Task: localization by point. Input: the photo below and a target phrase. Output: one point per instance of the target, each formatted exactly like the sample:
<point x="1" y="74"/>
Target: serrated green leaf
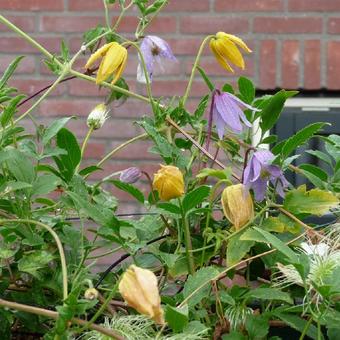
<point x="130" y="189"/>
<point x="300" y="138"/>
<point x="54" y="128"/>
<point x="315" y="202"/>
<point x="195" y="197"/>
<point x="195" y="281"/>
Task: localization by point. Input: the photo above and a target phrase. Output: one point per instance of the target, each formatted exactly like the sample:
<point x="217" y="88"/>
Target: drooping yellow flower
<point x="139" y="288"/>
<point x="169" y="182"/>
<point x="114" y="58"/>
<point x="237" y="205"/>
<point x="226" y="49"/>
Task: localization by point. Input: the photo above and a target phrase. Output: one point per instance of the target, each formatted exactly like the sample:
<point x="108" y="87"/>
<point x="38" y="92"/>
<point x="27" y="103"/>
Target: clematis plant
<point x="202" y="247"/>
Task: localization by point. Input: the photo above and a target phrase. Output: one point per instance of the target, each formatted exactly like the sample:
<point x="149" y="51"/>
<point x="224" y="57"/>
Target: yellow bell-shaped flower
<point x="169" y="182"/>
<point x="114" y="58"/>
<point x="237" y="205"/>
<point x="225" y="47"/>
<point x="139" y="288"/>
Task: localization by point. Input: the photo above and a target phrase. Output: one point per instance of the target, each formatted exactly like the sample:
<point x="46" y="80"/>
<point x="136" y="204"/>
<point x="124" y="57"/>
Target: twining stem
<point x="197" y="60"/>
<point x="54" y="315"/>
<point x="187" y="240"/>
<point x="305" y="330"/>
<point x="58" y="242"/>
<point x="83" y="147"/>
<point x="107" y="18"/>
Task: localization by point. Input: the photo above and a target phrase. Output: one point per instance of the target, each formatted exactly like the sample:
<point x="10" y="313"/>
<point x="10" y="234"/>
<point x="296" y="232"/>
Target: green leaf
<point x="234" y="335"/>
<point x="45" y="184"/>
<point x="321" y="155"/>
<point x="257" y="326"/>
<point x="272" y="110"/>
<point x="11" y="186"/>
<point x="10" y="110"/>
<point x="247" y="89"/>
<point x="269" y="139"/>
<point x="195" y="197"/>
<point x="177" y="318"/>
<point x="102" y="216"/>
<point x="34" y="262"/>
<point x="199" y="112"/>
<point x="172" y="208"/>
<point x="315" y="174"/>
<point x="67" y="164"/>
<point x="206" y="78"/>
<point x="9" y="71"/>
<point x="279" y="245"/>
<point x="195" y="281"/>
<point x="89" y="170"/>
<point x="20" y="166"/>
<point x="316" y="201"/>
<point x="300" y="138"/>
<point x="299" y="324"/>
<point x="54" y="128"/>
<point x="130" y="189"/>
<point x="220" y="174"/>
<point x="237" y="249"/>
<point x="269" y="294"/>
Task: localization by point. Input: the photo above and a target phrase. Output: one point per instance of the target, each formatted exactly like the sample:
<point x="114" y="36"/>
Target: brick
<point x="26" y="23"/>
<point x="290" y="64"/>
<point x="136" y="151"/>
<point x="32" y="5"/>
<point x="314" y="5"/>
<point x="211" y="24"/>
<point x="95" y="150"/>
<point x="268" y="64"/>
<point x="162" y="24"/>
<point x="187" y="5"/>
<point x="333" y="65"/>
<point x="18" y="45"/>
<point x="26" y="66"/>
<point x="287" y="25"/>
<point x="249" y="5"/>
<point x="69" y="23"/>
<point x="65" y="107"/>
<point x="312" y="65"/>
<point x="85" y="5"/>
<point x="31" y="86"/>
<point x="334" y="26"/>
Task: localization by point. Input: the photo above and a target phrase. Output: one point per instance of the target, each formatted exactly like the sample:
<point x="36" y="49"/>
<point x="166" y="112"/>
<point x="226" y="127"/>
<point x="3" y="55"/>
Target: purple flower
<point x="130" y="175"/>
<point x="259" y="171"/>
<point x="228" y="112"/>
<point x="156" y="53"/>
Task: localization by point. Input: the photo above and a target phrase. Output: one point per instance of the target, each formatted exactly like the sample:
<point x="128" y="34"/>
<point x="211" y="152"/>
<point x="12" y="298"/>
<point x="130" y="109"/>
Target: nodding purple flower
<point x="156" y="53"/>
<point x="130" y="175"/>
<point x="228" y="112"/>
<point x="259" y="171"/>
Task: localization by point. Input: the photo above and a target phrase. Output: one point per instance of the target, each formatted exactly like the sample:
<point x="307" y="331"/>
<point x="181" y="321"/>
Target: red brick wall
<point x="295" y="42"/>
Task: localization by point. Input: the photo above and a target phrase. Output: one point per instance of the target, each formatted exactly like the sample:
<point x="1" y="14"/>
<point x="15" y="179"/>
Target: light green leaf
<point x="247" y="89"/>
<point x="237" y="249"/>
<point x="10" y="70"/>
<point x="54" y="128"/>
<point x="176" y="317"/>
<point x="34" y="262"/>
<point x="195" y="281"/>
<point x="130" y="189"/>
<point x="44" y="184"/>
<point x="20" y="166"/>
<point x="269" y="294"/>
<point x="316" y="201"/>
<point x="195" y="197"/>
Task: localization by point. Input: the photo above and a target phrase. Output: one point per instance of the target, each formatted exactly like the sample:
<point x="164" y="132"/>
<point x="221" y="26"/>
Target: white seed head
<point x="97" y="117"/>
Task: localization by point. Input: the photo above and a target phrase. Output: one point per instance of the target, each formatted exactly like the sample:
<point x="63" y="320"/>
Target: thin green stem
<point x="27" y="38"/>
<point x="58" y="242"/>
<point x="121" y="15"/>
<point x="111" y="86"/>
<point x="305" y="330"/>
<point x="107" y="18"/>
<point x="83" y="147"/>
<point x="187" y="240"/>
<point x="197" y="60"/>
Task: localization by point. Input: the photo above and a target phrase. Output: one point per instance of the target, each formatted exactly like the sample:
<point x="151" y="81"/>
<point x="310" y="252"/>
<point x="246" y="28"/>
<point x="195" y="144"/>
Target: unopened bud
<point x="237" y="205"/>
<point x="130" y="175"/>
<point x="97" y="117"/>
<point x="91" y="294"/>
<point x="169" y="182"/>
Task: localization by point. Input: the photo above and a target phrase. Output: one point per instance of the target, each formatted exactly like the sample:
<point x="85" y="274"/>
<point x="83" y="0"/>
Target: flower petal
<point x="230" y="51"/>
<point x="219" y="57"/>
<point x="219" y="122"/>
<point x="98" y="54"/>
<point x="238" y="41"/>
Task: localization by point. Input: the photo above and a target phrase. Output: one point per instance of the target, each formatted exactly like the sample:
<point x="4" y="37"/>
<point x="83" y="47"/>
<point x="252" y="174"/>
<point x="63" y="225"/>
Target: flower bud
<point x="169" y="182"/>
<point x="91" y="294"/>
<point x="97" y="117"/>
<point x="130" y="175"/>
<point x="139" y="289"/>
<point x="237" y="205"/>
